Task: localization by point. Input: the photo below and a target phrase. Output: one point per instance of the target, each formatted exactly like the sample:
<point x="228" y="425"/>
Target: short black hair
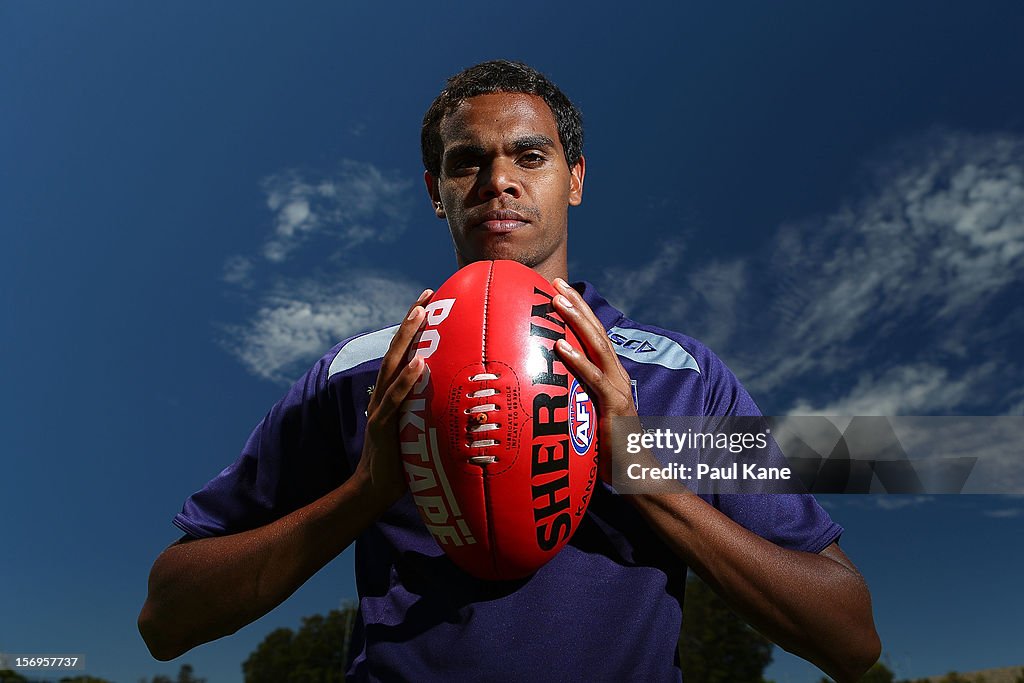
<point x="500" y="75"/>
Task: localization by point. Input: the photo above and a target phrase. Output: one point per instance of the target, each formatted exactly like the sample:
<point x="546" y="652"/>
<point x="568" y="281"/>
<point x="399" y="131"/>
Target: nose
<point x="499" y="178"/>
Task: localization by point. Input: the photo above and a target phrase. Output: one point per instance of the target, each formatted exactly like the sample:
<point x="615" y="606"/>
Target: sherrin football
<point x="498" y="439"/>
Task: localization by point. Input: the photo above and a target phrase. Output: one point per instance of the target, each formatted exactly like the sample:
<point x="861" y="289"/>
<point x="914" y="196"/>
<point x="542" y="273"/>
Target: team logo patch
<point x="581" y="419"/>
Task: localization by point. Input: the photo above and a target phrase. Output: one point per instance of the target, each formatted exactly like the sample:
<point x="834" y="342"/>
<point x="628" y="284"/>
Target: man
<point x="502" y="148"/>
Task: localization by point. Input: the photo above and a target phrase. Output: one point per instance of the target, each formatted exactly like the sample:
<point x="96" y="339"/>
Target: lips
<point x="500" y="221"/>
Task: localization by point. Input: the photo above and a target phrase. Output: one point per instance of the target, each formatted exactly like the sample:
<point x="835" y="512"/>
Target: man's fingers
<point x="583" y="319"/>
<point x="588" y="328"/>
<point x="391" y="400"/>
<point x="566" y="290"/>
<point x="609" y="395"/>
<point x="398" y="350"/>
<point x="580" y="366"/>
<point x="574" y="305"/>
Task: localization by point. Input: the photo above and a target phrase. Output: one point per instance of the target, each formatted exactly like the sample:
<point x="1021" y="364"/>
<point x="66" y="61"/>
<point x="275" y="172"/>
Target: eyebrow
<point x="464" y="149"/>
<point x="532" y="142"/>
<point x="469" y="149"/>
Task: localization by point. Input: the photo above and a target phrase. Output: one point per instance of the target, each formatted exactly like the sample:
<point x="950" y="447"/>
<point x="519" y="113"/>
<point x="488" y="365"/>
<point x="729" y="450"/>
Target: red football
<point x="498" y="439"/>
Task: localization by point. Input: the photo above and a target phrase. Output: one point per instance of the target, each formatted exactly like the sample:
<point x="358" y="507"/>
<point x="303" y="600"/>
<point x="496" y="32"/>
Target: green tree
<point x="879" y="673"/>
<point x="951" y="677"/>
<point x="956" y="677"/>
<point x="8" y="676"/>
<point x="185" y="675"/>
<point x="717" y="646"/>
<point x="316" y="653"/>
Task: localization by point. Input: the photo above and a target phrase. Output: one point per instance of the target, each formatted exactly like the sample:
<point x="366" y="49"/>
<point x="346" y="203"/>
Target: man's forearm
<point x="207" y="588"/>
<point x="203" y="589"/>
<point x="814" y="605"/>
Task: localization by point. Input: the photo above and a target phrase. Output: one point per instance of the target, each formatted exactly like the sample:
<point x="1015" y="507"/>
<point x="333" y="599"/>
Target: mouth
<point x="500" y="221"/>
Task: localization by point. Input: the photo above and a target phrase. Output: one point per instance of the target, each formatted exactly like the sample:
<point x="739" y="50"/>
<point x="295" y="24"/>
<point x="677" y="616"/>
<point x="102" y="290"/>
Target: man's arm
<point x="814" y="605"/>
<point x="203" y="589"/>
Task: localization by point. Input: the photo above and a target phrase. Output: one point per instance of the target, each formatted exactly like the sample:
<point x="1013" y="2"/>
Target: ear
<point x="435" y="194"/>
<point x="576" y="182"/>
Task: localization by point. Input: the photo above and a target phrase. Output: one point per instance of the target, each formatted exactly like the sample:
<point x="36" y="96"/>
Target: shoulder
<point x="654" y="353"/>
<point x="351" y="354"/>
<point x="722" y="391"/>
<point x="650" y="344"/>
<point x="347" y="363"/>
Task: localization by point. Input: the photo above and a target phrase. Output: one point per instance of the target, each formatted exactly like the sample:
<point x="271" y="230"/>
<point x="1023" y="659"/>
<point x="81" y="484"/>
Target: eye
<point x="532" y="159"/>
<point x="462" y="166"/>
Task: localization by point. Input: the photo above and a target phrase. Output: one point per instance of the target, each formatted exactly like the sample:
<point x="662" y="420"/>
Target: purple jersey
<point x="607" y="607"/>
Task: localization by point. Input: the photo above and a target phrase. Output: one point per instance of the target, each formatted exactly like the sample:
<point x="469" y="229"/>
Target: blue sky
<point x="196" y="201"/>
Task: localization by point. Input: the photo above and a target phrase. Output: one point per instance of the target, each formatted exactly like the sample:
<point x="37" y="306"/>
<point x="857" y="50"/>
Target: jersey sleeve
<point x="293" y="456"/>
<point x="793" y="521"/>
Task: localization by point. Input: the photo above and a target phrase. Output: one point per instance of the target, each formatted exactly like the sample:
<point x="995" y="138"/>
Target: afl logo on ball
<point x="581" y="419"/>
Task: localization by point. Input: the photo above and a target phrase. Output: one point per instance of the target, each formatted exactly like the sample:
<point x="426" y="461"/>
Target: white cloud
<point x="1005" y="513"/>
<point x="836" y="502"/>
<point x="297" y="318"/>
<point x="904" y="390"/>
<point x="300" y="320"/>
<point x="238" y="271"/>
<point x="909" y="288"/>
<point x="1016" y="409"/>
<point x="712" y="292"/>
<point x="900" y="502"/>
<point x="359" y="203"/>
<point x="634" y="287"/>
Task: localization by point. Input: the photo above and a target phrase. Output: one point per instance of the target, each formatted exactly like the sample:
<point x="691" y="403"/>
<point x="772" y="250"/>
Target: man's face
<point x="505" y="187"/>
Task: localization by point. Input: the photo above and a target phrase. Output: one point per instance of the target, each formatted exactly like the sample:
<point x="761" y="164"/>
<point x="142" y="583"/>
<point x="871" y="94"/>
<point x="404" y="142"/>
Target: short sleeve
<point x="294" y="456"/>
<point x="793" y="521"/>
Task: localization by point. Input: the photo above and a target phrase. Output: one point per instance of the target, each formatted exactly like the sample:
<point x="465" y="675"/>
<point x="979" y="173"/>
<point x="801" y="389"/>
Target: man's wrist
<point x="371" y="495"/>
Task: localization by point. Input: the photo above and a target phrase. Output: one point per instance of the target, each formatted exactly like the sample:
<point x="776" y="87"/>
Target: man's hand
<point x="815" y="605"/>
<point x="606" y="380"/>
<point x="202" y="589"/>
<point x="381" y="465"/>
